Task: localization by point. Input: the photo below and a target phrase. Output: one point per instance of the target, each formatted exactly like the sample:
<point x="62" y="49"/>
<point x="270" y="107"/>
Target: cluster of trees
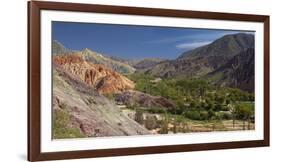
<point x="198" y="99"/>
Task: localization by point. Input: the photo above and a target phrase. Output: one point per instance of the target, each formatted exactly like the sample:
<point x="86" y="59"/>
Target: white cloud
<point x="192" y="45"/>
<point x="194" y="37"/>
<point x="169" y="40"/>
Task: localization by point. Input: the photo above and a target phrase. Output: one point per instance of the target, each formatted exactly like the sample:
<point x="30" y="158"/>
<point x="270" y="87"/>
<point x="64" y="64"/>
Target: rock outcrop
<point x="98" y="76"/>
<point x="133" y="98"/>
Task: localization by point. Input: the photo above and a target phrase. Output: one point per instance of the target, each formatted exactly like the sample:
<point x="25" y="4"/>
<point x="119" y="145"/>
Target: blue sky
<point x="133" y="42"/>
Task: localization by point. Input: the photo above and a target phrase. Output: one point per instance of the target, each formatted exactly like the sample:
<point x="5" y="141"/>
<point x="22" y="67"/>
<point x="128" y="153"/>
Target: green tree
<point x="245" y="111"/>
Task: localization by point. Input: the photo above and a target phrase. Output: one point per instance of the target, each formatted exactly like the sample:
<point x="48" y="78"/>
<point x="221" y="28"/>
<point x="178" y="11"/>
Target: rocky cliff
<point x="102" y="78"/>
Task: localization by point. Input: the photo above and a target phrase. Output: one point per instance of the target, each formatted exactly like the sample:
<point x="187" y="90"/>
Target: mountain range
<point x="206" y="61"/>
<point x="94" y="57"/>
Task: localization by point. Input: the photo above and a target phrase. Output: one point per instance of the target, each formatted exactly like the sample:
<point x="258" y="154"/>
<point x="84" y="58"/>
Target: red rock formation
<point x="99" y="76"/>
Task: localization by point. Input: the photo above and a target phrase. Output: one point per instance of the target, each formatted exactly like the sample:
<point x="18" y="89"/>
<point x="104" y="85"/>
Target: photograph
<point x="110" y="80"/>
<point x="126" y="80"/>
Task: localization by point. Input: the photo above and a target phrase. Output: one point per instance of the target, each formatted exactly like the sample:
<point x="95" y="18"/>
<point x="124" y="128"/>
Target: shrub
<point x="244" y="110"/>
<point x="223" y="108"/>
<point x="218" y="107"/>
<point x="192" y="114"/>
<point x="60" y="128"/>
<point x="225" y="115"/>
<point x="204" y="115"/>
<point x="211" y="114"/>
<point x="209" y="105"/>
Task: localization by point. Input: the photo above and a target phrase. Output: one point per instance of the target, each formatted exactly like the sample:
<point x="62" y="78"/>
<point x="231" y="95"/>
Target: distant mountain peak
<point x="87" y="50"/>
<point x="227" y="45"/>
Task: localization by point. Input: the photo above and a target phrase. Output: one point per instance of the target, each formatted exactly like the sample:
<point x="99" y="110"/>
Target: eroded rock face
<point x="132" y="98"/>
<point x="87" y="111"/>
<point x="99" y="76"/>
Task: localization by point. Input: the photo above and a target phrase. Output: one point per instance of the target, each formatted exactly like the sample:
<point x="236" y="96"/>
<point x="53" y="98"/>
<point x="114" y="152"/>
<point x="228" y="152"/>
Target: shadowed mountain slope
<point x="208" y="59"/>
<point x="238" y="72"/>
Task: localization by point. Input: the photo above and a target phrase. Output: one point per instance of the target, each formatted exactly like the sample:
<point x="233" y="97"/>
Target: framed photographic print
<point x="115" y="80"/>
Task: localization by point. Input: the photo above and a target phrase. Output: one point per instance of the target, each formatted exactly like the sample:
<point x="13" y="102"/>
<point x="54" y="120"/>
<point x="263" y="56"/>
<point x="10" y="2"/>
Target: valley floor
<point x="178" y="124"/>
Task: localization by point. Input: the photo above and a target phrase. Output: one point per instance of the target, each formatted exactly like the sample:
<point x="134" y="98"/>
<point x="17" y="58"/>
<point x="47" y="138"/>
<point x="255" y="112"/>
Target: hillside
<point x="97" y="58"/>
<point x="238" y="72"/>
<point x="103" y="79"/>
<point x="228" y="45"/>
<point x="207" y="59"/>
<point x="94" y="57"/>
<point x="147" y="63"/>
<point x="132" y="98"/>
<point x="79" y="111"/>
<point x="190" y="68"/>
